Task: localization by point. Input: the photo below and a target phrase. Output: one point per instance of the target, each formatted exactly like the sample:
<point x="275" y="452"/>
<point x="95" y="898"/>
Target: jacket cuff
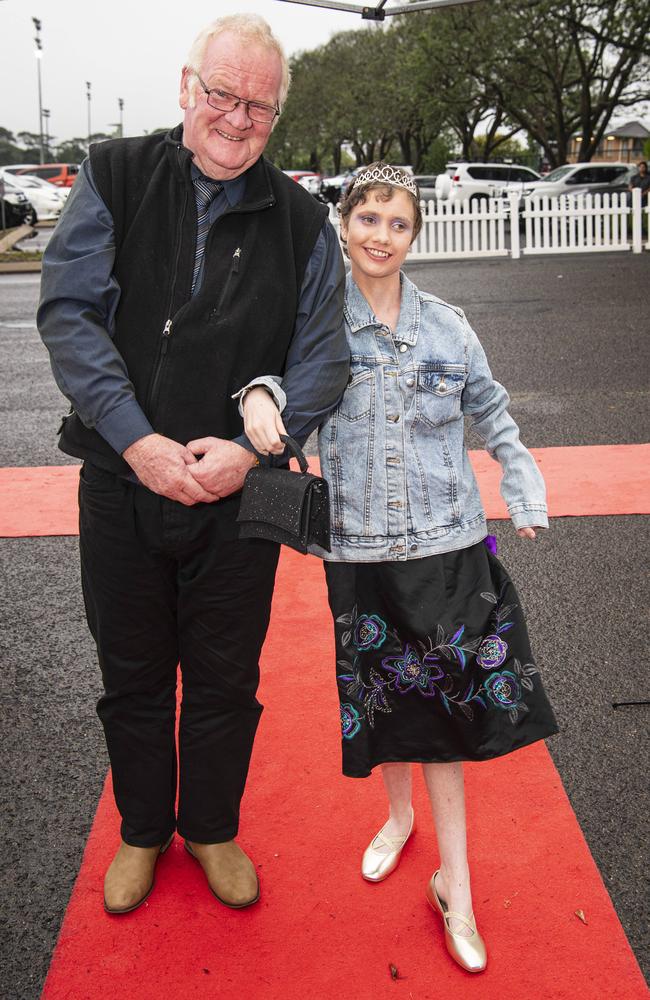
<point x="529" y="515"/>
<point x="272" y="383"/>
<point x="243" y="442"/>
<point x="124" y="425"/>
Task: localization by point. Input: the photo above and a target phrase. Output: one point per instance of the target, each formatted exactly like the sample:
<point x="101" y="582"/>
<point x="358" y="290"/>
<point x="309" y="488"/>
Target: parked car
<point x="311" y="183"/>
<point x="14" y="206"/>
<point x="297" y="175"/>
<point x="476" y="182"/>
<point x="443" y="182"/>
<point x="331" y="187"/>
<point x="63" y="192"/>
<point x="578" y="177"/>
<point x="46" y="199"/>
<point x="617" y="185"/>
<point x="426" y="186"/>
<point x="308" y="179"/>
<point x="61" y="174"/>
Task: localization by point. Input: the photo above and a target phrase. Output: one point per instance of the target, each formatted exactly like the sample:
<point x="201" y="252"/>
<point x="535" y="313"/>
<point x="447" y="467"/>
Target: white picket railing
<point x="577" y="224"/>
<point x="462" y="229"/>
<point x="568" y="224"/>
<point x="458" y="229"/>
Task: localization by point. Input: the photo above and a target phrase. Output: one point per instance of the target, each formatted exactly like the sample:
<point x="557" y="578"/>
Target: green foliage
<point x="72" y="151"/>
<point x="439" y="153"/>
<point x="10" y="153"/>
<point x="502" y="148"/>
<point x="467" y="80"/>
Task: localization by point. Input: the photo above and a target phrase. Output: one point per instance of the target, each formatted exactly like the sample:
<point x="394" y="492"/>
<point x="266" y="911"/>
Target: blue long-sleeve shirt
<point x="80" y="296"/>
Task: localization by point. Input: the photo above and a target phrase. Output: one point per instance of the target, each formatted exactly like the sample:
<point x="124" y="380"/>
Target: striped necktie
<point x="205" y="191"/>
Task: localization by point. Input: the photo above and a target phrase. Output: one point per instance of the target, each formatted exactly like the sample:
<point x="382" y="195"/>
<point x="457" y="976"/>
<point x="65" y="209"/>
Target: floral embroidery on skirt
<point x="432" y="663"/>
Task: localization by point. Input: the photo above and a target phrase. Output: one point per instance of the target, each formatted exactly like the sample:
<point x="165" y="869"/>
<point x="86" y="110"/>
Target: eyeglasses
<point x="221" y="100"/>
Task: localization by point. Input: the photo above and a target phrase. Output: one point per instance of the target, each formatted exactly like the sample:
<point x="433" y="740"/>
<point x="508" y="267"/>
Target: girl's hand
<point x="527" y="532"/>
<point x="262" y="422"/>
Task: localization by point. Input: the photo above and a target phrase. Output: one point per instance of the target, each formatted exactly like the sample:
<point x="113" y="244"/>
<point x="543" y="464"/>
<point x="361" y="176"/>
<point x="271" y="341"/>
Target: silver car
<point x="578" y="176"/>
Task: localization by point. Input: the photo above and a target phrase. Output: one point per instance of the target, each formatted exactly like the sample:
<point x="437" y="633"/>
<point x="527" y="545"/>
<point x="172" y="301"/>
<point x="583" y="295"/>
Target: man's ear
<point x="184" y="94"/>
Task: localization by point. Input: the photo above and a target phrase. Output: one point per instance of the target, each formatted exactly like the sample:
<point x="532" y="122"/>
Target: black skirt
<point x="433" y="661"/>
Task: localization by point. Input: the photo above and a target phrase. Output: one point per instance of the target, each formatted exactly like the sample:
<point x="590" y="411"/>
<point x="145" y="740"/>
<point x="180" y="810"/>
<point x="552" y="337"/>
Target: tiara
<point x="386" y="175"/>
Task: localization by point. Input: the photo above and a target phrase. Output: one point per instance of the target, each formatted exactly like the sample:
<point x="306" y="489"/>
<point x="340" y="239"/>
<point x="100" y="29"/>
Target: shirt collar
<point x="359" y="314"/>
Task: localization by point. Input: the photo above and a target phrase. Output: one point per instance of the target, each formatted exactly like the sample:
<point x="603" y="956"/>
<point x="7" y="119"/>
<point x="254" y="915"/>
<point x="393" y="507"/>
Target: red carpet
<point x="597" y="479"/>
<point x="320" y="932"/>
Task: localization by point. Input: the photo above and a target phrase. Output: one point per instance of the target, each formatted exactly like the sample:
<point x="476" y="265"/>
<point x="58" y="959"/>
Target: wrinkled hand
<point x="162" y="466"/>
<point x="262" y="422"/>
<point x="527" y="532"/>
<point x="223" y="467"/>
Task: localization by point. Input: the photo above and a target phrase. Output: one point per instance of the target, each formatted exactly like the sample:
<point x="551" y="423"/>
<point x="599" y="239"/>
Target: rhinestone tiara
<point x="386" y="175"/>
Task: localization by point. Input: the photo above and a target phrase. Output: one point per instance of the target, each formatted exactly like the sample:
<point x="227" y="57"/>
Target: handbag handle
<point x="296" y="450"/>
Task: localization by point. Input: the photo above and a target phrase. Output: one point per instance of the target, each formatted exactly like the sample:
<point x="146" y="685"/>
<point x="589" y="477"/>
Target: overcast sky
<point x="133" y="49"/>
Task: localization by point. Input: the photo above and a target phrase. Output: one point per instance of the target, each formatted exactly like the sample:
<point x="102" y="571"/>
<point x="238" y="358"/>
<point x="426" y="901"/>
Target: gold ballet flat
<point x="470" y="952"/>
<point x="377" y="865"/>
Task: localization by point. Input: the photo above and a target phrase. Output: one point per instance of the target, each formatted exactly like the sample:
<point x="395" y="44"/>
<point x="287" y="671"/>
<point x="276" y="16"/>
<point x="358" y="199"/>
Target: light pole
<point x="46" y="116"/>
<point x="39" y="54"/>
<point x="88" y="95"/>
<point x="120" y="104"/>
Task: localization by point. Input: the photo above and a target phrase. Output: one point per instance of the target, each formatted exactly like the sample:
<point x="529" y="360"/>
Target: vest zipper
<point x="167" y="329"/>
<point x="234" y="269"/>
<point x="155" y="382"/>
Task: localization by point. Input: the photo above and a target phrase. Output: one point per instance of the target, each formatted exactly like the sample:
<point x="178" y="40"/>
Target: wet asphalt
<point x="569" y="338"/>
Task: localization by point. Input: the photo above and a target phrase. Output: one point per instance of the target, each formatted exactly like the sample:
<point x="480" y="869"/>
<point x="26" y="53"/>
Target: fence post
<point x="515" y="249"/>
<point x="637" y="246"/>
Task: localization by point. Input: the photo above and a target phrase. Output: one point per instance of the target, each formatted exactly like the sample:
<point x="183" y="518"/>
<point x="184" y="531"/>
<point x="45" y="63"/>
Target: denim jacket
<point x="401" y="484"/>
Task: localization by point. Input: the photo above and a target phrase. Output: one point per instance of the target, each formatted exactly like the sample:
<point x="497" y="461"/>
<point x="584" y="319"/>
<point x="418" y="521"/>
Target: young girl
<point x="433" y="658"/>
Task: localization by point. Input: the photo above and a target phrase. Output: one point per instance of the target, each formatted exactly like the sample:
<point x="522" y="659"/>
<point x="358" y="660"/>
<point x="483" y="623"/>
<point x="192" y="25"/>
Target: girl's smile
<point x="379" y="234"/>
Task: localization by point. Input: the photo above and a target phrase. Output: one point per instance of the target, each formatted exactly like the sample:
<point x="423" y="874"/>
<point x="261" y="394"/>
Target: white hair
<point x="247" y="28"/>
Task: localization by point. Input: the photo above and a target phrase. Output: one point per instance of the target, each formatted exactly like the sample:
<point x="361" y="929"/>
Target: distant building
<point x="624" y="144"/>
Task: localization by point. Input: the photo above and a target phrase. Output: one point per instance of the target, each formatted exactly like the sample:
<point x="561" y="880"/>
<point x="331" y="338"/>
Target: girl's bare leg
<point x="397" y="781"/>
<point x="445" y="785"/>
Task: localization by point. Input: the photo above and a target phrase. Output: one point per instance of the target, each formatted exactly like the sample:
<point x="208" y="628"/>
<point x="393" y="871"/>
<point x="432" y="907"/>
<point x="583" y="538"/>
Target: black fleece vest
<point x="186" y="355"/>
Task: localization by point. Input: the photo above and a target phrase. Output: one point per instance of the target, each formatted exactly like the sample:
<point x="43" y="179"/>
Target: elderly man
<point x="184" y="268"/>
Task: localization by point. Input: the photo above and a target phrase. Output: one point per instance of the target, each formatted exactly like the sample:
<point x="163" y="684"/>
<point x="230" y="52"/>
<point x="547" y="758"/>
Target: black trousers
<point x="164" y="583"/>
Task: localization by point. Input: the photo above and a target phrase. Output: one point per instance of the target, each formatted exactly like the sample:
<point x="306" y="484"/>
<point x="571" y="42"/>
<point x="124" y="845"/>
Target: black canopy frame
<point x="379" y="11"/>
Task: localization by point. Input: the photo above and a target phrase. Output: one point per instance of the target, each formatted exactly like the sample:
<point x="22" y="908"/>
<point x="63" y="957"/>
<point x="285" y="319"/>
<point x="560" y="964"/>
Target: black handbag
<point x="285" y="506"/>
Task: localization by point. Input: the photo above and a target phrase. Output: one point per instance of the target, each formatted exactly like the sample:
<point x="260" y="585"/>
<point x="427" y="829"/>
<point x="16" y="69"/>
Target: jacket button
<point x="403" y="347"/>
<point x="414" y="547"/>
<point x="410" y="382"/>
<point x="393" y="417"/>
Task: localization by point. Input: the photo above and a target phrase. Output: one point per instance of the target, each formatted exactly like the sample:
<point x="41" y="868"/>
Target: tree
<point x="300" y="138"/>
<point x="72" y="151"/>
<point x="565" y="66"/>
<point x="9" y="151"/>
<point x="447" y="48"/>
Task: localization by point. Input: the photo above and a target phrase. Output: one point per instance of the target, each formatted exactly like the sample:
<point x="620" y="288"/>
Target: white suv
<point x="479" y="181"/>
<point x="564" y="180"/>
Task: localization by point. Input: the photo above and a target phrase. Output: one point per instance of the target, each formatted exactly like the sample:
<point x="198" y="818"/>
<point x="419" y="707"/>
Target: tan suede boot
<point x="130" y="877"/>
<point x="230" y="872"/>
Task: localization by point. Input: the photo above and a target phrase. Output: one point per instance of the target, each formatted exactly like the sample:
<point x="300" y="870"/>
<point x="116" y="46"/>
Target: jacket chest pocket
<point x="357" y="398"/>
<point x="438" y="396"/>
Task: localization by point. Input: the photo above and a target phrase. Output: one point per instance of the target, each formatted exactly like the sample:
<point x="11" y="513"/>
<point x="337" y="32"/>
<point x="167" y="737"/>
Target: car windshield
<point x="558" y="173"/>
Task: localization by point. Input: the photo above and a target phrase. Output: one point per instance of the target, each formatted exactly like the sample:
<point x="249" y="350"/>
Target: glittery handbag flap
<point x="285" y="506"/>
